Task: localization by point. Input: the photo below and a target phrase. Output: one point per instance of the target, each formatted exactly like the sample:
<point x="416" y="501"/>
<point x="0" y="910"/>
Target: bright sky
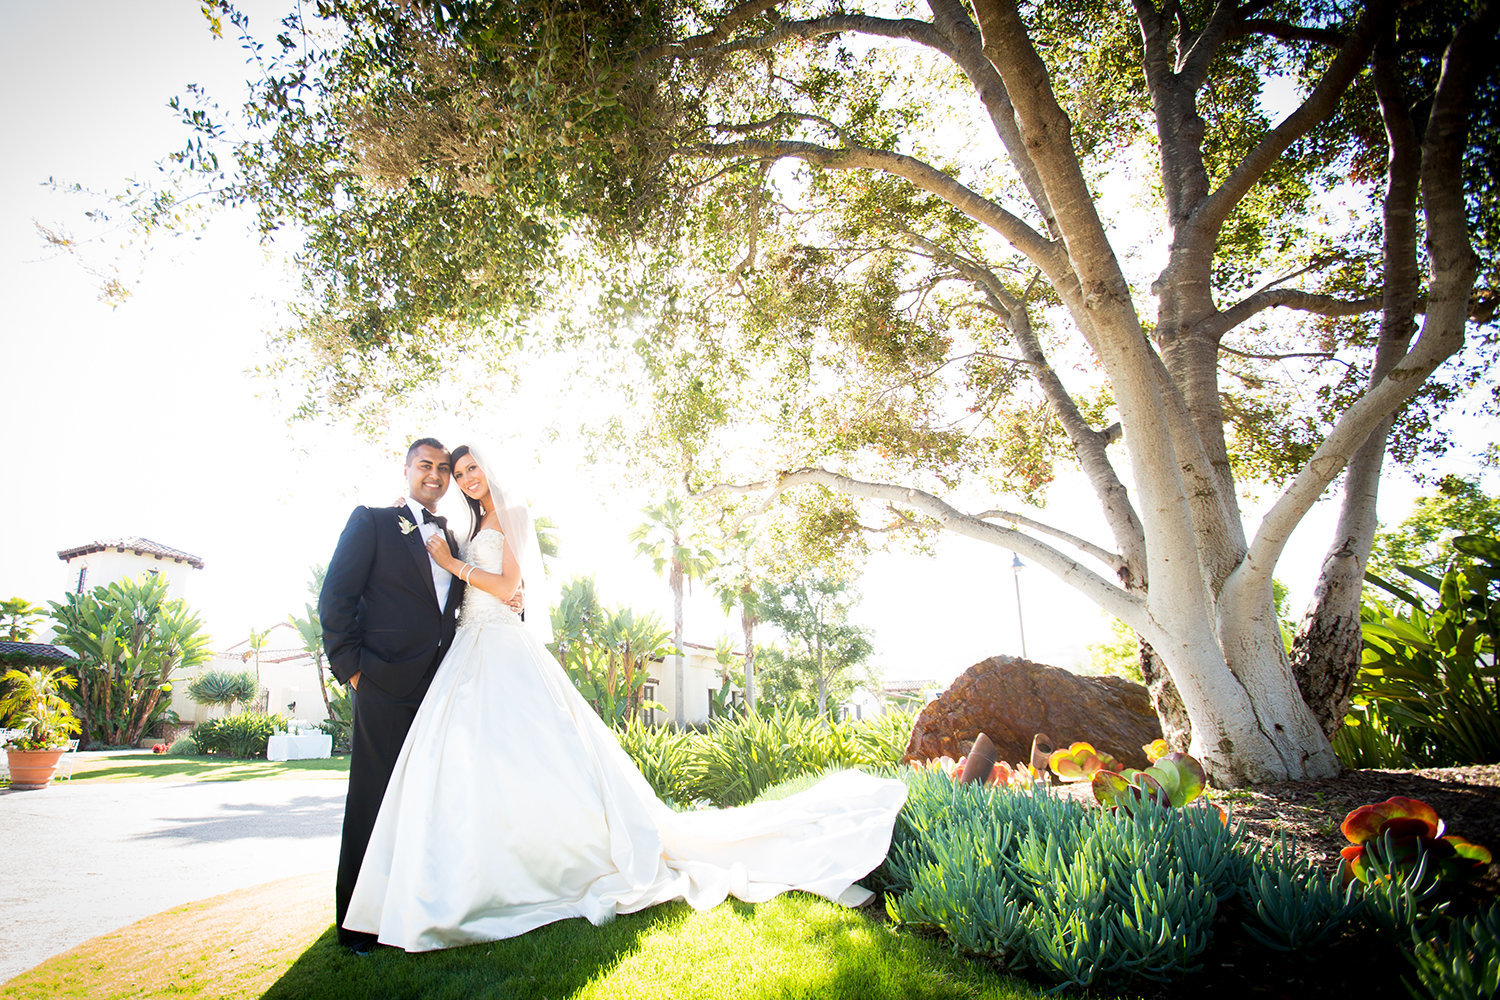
<point x="142" y="419"/>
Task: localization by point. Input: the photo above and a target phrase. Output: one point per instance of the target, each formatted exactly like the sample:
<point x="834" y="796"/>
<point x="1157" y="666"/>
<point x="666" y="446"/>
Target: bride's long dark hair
<point x="476" y="509"/>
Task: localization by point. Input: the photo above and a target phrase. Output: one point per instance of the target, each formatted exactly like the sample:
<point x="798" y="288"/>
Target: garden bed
<point x="1468" y="800"/>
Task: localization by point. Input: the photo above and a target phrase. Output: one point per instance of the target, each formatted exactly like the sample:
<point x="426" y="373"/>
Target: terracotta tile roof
<point x="39" y="650"/>
<point x="711" y="649"/>
<point x="908" y="684"/>
<point x="278" y="653"/>
<point x="143" y="546"/>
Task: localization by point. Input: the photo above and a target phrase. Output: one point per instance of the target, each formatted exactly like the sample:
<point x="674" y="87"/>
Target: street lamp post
<point x="1015" y="570"/>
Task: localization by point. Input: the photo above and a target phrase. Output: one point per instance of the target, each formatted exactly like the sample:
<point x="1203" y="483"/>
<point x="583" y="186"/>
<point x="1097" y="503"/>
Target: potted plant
<point x="35" y="706"/>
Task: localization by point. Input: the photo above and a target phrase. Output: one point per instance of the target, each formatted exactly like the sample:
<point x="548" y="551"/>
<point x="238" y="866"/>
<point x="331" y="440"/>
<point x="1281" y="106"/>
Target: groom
<point x="388" y="614"/>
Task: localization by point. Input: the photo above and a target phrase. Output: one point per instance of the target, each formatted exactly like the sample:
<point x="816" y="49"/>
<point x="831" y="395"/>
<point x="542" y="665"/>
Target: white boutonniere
<point x="406" y="526"/>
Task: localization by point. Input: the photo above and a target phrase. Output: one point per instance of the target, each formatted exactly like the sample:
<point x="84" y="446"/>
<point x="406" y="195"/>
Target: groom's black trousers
<point x="380" y="724"/>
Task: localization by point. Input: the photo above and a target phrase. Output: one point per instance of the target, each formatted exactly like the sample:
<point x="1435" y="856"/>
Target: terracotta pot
<point x="33" y="768"/>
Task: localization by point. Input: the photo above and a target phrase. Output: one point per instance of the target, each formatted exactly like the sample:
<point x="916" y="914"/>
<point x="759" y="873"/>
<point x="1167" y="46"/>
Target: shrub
<point x="735" y="759"/>
<point x="738" y="758"/>
<point x="129" y="637"/>
<point x="184" y="746"/>
<point x="1036" y="881"/>
<point x="341" y="732"/>
<point x="660" y="753"/>
<point x="242" y="735"/>
<point x="1429" y="672"/>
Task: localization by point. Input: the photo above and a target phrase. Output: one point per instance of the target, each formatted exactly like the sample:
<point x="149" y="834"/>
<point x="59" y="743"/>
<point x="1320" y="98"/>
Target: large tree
<point x="925" y="251"/>
<point x="812" y="614"/>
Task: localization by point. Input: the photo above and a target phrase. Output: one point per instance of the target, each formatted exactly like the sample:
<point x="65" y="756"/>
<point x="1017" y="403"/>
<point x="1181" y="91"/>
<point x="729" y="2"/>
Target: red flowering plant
<point x="158" y="748"/>
<point x="1173" y="779"/>
<point x="1396" y="834"/>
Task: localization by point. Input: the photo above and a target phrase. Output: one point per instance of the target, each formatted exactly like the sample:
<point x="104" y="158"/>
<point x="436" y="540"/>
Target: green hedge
<point x="242" y="735"/>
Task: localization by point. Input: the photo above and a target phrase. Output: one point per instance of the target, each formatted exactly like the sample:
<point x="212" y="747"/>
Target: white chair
<point x="4" y="763"/>
<point x="5" y="735"/>
<point x="65" y="762"/>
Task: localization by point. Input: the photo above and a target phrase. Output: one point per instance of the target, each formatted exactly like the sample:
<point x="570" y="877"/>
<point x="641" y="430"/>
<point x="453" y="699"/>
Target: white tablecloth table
<point x="308" y="746"/>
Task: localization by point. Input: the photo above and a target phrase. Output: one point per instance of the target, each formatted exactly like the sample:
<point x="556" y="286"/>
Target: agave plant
<point x="223" y="687"/>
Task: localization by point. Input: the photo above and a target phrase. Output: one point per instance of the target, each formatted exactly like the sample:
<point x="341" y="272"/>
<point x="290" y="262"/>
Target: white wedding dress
<point x="512" y="805"/>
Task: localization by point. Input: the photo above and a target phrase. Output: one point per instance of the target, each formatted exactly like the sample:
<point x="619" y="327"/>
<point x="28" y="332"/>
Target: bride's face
<point x="470" y="478"/>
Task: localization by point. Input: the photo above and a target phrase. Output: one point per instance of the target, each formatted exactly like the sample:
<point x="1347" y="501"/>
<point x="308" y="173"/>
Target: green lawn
<point x="276" y="941"/>
<point x="144" y="765"/>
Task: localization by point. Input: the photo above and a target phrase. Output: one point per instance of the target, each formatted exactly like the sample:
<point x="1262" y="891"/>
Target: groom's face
<point x="427" y="473"/>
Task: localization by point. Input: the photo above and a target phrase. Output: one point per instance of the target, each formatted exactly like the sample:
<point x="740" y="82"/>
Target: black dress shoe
<point x="357" y="942"/>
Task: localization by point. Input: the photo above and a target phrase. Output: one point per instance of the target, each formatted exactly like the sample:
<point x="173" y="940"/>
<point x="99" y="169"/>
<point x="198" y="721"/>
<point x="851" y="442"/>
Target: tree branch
<point x="1099" y="552"/>
<point x="966" y="48"/>
<point x="1286" y="31"/>
<point x="697" y="43"/>
<point x="1451" y="268"/>
<point x="1088" y="444"/>
<point x="1220" y="323"/>
<point x="1323" y="355"/>
<point x="782" y="118"/>
<point x="1210" y="215"/>
<point x="1195" y="62"/>
<point x="1045" y="253"/>
<point x="1163" y="444"/>
<point x="716" y="43"/>
<point x="1127" y="607"/>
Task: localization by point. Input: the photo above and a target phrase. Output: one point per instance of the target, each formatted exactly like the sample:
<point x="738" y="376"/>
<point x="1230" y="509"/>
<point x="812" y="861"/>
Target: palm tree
<point x="35" y="703"/>
<point x="661" y="538"/>
<point x="739" y="585"/>
<point x="546" y="536"/>
<point x="19" y="619"/>
<point x="311" y="631"/>
<point x="257" y="643"/>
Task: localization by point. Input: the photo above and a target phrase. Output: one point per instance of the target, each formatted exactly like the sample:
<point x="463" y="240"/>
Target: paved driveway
<point x="83" y="858"/>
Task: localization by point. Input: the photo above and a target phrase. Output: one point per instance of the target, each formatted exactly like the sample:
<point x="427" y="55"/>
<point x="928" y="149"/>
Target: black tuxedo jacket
<point x="379" y="605"/>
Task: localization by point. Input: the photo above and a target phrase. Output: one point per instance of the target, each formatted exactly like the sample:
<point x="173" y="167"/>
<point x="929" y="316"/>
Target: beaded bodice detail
<point x="485" y="551"/>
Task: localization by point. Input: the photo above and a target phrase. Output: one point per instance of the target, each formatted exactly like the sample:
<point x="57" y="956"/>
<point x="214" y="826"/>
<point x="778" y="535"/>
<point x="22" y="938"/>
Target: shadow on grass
<point x="791" y="948"/>
<point x="147" y="766"/>
<point x="555" y="961"/>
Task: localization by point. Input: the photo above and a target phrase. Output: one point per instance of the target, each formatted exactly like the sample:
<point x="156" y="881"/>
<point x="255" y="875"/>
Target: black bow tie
<point x="428" y="517"/>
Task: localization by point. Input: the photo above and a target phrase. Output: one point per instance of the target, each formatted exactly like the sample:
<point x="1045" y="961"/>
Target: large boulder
<point x="1012" y="700"/>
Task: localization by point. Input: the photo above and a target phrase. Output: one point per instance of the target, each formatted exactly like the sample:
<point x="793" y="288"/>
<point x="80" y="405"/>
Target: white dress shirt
<point x="441" y="578"/>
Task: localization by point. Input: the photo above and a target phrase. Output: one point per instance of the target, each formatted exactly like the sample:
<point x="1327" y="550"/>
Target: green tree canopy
<point x="1424" y="538"/>
<point x="823" y="647"/>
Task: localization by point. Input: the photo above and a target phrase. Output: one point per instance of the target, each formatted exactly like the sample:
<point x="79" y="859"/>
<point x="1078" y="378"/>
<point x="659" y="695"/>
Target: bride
<point x="512" y="805"/>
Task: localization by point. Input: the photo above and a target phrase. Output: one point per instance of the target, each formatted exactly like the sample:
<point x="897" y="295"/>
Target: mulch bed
<point x="1466" y="798"/>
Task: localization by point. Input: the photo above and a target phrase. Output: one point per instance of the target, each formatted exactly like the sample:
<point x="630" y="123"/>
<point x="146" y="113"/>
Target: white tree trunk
<point x="747" y="625"/>
<point x="679" y="675"/>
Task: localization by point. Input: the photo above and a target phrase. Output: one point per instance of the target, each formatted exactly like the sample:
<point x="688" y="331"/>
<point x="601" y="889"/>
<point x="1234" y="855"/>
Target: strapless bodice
<point x="485" y="551"/>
